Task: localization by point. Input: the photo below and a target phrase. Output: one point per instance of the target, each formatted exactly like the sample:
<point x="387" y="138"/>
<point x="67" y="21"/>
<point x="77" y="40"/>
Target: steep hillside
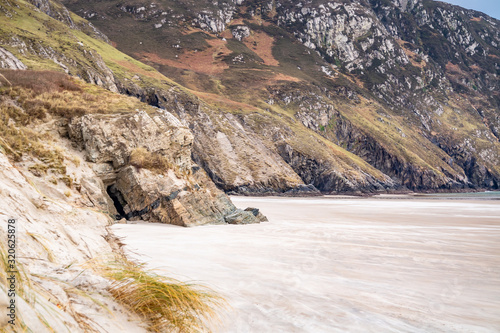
<point x="279" y="96"/>
<point x="238" y="157"/>
<point x="409" y="87"/>
<point x="75" y="158"/>
<point x="140" y="155"/>
<point x="178" y="102"/>
<point x="56" y="289"/>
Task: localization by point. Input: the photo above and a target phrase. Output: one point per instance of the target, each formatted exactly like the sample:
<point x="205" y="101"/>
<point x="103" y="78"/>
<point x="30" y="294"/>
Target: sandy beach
<point x="341" y="265"/>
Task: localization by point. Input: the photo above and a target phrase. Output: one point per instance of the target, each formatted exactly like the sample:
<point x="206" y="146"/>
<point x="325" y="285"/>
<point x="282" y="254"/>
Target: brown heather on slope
<point x="205" y="61"/>
<point x="311" y="54"/>
<point x="262" y="44"/>
<point x="404" y="84"/>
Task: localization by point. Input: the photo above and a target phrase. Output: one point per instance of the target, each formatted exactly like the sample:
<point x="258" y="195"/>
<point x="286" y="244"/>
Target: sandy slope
<point x="55" y="241"/>
<point x="325" y="265"/>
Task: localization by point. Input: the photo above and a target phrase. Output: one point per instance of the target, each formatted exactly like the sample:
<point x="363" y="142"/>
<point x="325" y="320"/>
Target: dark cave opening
<point x="118" y="201"/>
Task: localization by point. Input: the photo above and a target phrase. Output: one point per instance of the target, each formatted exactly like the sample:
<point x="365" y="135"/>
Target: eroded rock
<point x="8" y="60"/>
<point x="256" y="212"/>
<point x="241" y="217"/>
<point x="179" y="194"/>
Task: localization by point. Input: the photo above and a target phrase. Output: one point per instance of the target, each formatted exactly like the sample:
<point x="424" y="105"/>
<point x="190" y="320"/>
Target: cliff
<point x="55" y="239"/>
<point x="411" y="88"/>
<point x="75" y="158"/>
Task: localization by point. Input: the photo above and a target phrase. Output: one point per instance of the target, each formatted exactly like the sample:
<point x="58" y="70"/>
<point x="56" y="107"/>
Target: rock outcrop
<point x="66" y="174"/>
<point x="240" y="31"/>
<point x="345" y="96"/>
<point x="179" y="194"/>
<point x="8" y="60"/>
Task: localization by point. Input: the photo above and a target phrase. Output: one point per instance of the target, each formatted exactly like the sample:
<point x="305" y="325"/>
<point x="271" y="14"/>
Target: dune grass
<point x="166" y="304"/>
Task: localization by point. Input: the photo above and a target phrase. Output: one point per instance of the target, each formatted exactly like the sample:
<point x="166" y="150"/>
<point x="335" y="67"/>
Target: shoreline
<point x="325" y="265"/>
<point x="385" y="195"/>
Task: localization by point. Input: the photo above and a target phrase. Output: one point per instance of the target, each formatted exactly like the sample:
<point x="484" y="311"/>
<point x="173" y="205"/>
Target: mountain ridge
<point x="196" y="108"/>
<point x="266" y="71"/>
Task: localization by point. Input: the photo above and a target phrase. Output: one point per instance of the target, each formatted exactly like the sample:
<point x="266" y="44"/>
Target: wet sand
<point x="349" y="265"/>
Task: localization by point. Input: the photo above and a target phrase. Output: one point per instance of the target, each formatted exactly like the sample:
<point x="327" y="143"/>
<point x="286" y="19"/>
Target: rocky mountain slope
<point x="409" y="87"/>
<point x="346" y="96"/>
<point x="236" y="96"/>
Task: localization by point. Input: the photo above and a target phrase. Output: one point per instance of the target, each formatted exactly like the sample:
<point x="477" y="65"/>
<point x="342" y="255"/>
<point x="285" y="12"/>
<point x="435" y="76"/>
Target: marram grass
<point x="167" y="304"/>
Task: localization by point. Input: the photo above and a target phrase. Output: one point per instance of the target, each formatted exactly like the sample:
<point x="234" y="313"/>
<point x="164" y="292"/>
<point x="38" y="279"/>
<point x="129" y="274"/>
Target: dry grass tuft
<point x="143" y="159"/>
<point x="17" y="142"/>
<point x="42" y="82"/>
<point x="167" y="304"/>
<point x="43" y="243"/>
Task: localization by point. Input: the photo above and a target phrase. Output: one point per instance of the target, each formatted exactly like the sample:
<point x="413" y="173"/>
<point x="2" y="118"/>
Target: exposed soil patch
<point x="262" y="44"/>
<point x="283" y="77"/>
<point x="207" y="61"/>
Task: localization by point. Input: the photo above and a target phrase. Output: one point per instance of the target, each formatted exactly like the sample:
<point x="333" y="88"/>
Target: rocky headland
<point x="156" y="111"/>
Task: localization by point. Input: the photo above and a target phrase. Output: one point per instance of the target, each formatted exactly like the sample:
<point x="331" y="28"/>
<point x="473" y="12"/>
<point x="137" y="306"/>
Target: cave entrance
<point x="118" y="201"/>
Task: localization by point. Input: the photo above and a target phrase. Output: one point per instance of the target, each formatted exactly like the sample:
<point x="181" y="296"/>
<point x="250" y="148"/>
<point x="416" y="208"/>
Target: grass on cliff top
<point x="55" y="40"/>
<point x="142" y="158"/>
<point x="167" y="304"/>
<point x="42" y="92"/>
<point x="28" y="99"/>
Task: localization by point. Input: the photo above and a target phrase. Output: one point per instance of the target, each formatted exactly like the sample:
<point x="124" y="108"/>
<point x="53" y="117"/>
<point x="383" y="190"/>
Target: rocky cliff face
<point x="175" y="191"/>
<point x="347" y="96"/>
<point x="74" y="158"/>
<point x="250" y="152"/>
<point x="140" y="160"/>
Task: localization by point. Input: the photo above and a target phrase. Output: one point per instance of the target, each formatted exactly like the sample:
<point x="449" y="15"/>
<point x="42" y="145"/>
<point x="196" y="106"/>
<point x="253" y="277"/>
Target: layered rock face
<point x="413" y="92"/>
<point x="66" y="171"/>
<point x="56" y="291"/>
<point x="182" y="194"/>
<point x="260" y="153"/>
<point x="345" y="96"/>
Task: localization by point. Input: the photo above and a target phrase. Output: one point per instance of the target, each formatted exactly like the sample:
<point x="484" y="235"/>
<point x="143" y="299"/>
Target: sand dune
<point x="326" y="265"/>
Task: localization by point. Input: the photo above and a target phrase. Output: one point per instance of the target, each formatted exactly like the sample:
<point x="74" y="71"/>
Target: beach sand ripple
<point x="352" y="265"/>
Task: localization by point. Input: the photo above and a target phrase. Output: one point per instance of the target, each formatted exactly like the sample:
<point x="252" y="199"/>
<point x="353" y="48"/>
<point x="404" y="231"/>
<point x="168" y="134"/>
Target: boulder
<point x="304" y="190"/>
<point x="255" y="211"/>
<point x="241" y="217"/>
